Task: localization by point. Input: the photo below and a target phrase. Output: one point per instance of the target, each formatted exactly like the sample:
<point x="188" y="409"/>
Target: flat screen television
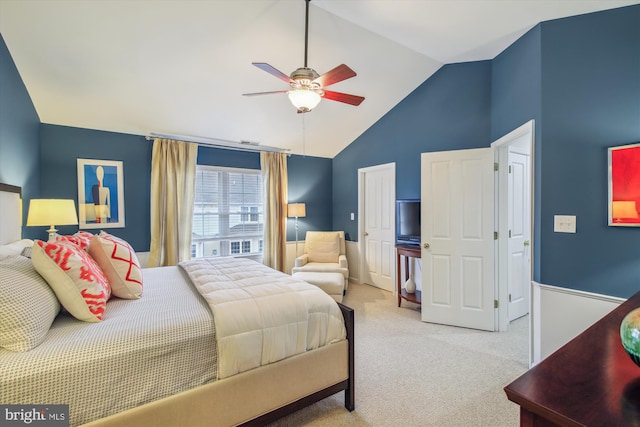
<point x="408" y="222"/>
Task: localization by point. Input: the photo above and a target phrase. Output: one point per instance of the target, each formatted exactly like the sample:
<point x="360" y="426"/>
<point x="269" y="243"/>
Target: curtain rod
<point x="218" y="143"/>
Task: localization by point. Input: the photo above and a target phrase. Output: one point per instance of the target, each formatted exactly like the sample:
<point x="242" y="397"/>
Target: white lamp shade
<point x="298" y="210"/>
<point x="304" y="99"/>
<point x="52" y="212"/>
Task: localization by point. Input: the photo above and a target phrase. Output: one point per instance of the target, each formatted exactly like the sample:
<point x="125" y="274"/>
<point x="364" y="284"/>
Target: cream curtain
<point x="274" y="179"/>
<point x="173" y="180"/>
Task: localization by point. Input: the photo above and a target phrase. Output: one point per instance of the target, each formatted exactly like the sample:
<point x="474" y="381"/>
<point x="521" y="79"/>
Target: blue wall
<point x="450" y="111"/>
<point x="19" y="127"/>
<point x="226" y="158"/>
<point x="590" y="101"/>
<point x="310" y="183"/>
<point x="579" y="79"/>
<point x="516" y="98"/>
<point x="61" y="146"/>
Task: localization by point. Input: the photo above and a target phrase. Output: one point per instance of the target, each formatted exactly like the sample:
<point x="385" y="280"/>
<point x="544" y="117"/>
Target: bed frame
<point x="252" y="398"/>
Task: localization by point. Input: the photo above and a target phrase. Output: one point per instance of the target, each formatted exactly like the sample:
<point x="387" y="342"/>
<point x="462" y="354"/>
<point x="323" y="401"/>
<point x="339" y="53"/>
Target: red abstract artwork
<point x="624" y="185"/>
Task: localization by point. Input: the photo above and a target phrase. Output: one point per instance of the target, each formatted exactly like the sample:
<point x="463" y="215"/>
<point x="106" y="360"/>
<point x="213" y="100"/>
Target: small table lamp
<point x="44" y="212"/>
<point x="296" y="210"/>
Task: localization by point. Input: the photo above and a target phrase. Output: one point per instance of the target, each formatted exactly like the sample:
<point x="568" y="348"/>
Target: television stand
<point x="407" y="252"/>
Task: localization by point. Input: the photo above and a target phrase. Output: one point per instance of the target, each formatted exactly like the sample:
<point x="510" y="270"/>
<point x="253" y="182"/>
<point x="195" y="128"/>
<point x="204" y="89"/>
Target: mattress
<point x="107" y="367"/>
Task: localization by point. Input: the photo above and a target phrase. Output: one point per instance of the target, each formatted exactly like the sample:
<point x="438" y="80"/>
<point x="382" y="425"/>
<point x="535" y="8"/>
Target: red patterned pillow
<point x="76" y="279"/>
<point x="120" y="264"/>
<point x="81" y="238"/>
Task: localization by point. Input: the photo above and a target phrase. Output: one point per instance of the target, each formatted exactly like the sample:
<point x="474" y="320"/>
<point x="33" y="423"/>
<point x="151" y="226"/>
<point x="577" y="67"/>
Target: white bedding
<point x="262" y="315"/>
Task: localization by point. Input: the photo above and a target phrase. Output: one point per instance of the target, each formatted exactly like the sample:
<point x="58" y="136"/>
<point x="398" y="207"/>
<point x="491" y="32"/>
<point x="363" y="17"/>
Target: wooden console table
<point x="590" y="381"/>
<point x="407" y="252"/>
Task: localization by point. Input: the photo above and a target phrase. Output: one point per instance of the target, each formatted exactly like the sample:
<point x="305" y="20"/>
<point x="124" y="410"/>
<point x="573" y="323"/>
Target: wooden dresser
<point x="590" y="381"/>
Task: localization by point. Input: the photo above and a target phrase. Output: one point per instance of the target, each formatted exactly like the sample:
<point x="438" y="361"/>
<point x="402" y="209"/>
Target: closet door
<point x="377" y="224"/>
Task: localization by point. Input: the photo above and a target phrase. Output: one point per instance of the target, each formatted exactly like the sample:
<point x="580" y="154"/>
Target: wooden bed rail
<point x="349" y="321"/>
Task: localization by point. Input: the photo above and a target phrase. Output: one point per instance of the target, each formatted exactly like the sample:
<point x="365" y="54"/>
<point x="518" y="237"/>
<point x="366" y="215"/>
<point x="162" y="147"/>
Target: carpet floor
<point x="412" y="373"/>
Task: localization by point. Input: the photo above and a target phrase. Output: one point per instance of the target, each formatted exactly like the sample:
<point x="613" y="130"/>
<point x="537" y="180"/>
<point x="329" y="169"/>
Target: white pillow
<point x="76" y="279"/>
<point x="324" y="247"/>
<point x="14" y="248"/>
<point x="28" y="306"/>
<point x="120" y="264"/>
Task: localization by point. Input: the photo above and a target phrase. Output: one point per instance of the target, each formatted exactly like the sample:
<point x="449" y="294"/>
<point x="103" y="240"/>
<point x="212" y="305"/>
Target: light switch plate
<point x="353" y="216"/>
<point x="564" y="223"/>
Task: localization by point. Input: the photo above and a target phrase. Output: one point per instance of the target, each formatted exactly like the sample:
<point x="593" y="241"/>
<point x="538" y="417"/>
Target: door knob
<point x="426" y="246"/>
<point x="366" y="234"/>
<point x="526" y="243"/>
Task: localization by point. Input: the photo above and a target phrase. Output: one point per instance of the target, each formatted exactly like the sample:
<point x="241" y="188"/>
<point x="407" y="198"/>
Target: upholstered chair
<point x="324" y="251"/>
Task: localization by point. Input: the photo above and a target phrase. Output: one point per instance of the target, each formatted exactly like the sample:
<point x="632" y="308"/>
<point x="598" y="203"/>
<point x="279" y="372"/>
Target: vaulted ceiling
<point x="181" y="66"/>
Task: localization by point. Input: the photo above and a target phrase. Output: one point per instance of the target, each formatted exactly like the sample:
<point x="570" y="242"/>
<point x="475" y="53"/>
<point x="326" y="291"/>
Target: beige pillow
<point x="323" y="247"/>
<point x="76" y="279"/>
<point x="120" y="264"/>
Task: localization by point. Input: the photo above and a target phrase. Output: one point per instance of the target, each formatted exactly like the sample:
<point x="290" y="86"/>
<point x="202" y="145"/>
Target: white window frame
<point x="250" y="214"/>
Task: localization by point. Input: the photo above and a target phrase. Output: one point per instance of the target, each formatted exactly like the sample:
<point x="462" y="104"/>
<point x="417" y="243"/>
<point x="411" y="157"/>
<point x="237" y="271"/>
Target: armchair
<point x="324" y="252"/>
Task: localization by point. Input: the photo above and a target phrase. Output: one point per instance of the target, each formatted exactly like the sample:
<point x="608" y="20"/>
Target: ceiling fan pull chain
<point x="304" y="152"/>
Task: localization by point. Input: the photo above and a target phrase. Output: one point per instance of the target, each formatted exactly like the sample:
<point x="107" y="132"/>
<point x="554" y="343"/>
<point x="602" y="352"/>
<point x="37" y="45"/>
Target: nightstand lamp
<point x="43" y="212"/>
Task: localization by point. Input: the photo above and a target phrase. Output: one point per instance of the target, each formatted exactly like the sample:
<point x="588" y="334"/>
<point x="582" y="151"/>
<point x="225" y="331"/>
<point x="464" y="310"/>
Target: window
<point x="228" y="216"/>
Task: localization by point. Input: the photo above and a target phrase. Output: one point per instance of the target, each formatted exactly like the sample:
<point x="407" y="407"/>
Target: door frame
<point x="501" y="147"/>
<point x="361" y="203"/>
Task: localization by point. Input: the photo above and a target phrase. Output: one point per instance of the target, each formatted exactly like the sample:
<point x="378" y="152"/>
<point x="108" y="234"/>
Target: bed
<point x="163" y="360"/>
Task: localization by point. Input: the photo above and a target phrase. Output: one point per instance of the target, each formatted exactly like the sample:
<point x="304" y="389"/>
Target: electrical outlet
<point x="353" y="216"/>
<point x="564" y="223"/>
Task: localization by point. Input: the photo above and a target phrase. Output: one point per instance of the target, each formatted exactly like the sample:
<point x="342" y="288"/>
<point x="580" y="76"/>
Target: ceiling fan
<point x="307" y="86"/>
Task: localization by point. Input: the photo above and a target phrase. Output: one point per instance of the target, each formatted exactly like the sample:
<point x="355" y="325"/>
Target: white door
<point x="519" y="234"/>
<point x="377" y="225"/>
<point x="458" y="238"/>
<point x="514" y="190"/>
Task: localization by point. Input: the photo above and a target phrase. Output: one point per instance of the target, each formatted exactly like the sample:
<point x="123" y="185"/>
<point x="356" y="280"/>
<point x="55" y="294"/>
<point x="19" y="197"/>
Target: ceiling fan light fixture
<point x="304" y="99"/>
<point x="307" y="86"/>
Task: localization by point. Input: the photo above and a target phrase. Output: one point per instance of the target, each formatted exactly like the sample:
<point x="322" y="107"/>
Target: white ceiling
<point x="181" y="66"/>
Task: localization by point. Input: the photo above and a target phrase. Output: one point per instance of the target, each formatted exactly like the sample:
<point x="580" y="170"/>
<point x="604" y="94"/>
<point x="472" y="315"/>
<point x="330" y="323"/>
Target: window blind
<point x="228" y="214"/>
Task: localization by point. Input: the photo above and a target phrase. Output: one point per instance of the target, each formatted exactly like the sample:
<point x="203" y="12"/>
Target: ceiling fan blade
<point x="265" y="93"/>
<point x="338" y="74"/>
<point x="274" y="72"/>
<point x="343" y="97"/>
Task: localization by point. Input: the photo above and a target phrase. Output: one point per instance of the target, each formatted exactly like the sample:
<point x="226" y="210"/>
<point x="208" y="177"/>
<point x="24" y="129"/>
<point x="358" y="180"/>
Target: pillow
<point x="81" y="238"/>
<point x="120" y="264"/>
<point x="323" y="247"/>
<point x="14" y="248"/>
<point x="28" y="306"/>
<point x="76" y="279"/>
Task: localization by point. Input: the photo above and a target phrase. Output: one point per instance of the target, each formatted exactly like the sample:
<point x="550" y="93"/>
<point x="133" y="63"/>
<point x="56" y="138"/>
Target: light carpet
<point x="412" y="373"/>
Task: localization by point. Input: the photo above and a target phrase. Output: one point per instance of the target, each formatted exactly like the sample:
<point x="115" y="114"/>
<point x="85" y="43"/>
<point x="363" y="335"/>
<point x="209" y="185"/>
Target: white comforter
<point x="262" y="315"/>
